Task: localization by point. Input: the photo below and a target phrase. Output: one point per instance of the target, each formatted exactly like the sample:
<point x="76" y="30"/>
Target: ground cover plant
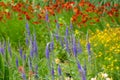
<point x="59" y="40"/>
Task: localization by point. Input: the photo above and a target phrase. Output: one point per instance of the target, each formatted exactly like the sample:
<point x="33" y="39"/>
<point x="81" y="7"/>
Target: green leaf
<point x="1" y="67"/>
<point x="6" y="74"/>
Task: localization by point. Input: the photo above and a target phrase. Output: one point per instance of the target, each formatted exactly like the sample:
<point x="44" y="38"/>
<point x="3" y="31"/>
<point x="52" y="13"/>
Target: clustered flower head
<point x="108" y="39"/>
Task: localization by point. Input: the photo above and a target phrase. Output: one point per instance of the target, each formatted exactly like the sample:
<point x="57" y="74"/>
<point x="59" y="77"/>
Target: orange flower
<point x="20" y="18"/>
<point x="2" y="4"/>
<point x="110" y="13"/>
<point x="51" y="12"/>
<point x="84" y="20"/>
<point x="107" y="4"/>
<point x="116" y="5"/>
<point x="27" y="17"/>
<point x="21" y="69"/>
<point x="82" y="3"/>
<point x="73" y="19"/>
<point x="36" y="22"/>
<point x="8" y="15"/>
<point x="30" y="8"/>
<point x="75" y="10"/>
<point x="96" y="19"/>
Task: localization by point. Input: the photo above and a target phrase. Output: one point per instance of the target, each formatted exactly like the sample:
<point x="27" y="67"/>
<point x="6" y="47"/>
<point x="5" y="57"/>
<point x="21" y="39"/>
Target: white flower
<point x="93" y="78"/>
<point x="108" y="78"/>
<point x="104" y="75"/>
<point x="67" y="78"/>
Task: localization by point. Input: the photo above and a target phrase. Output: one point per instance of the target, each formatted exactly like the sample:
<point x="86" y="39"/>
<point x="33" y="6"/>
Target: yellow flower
<point x="76" y="32"/>
<point x="95" y="45"/>
<point x="6" y="10"/>
<point x="57" y="61"/>
<point x="108" y="25"/>
<point x="117" y="68"/>
<point x="111" y="69"/>
<point x="115" y="60"/>
<point x="60" y="19"/>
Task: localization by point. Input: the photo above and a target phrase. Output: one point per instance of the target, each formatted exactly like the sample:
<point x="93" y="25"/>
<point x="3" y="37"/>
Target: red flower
<point x="27" y="17"/>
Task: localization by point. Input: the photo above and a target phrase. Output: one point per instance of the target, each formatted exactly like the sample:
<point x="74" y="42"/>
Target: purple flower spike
<point x="66" y="33"/>
<point x="88" y="48"/>
<point x="4" y="45"/>
<point x="31" y="47"/>
<point x="57" y="24"/>
<point x="17" y="62"/>
<point x="67" y="46"/>
<point x="57" y="36"/>
<point x="52" y="71"/>
<point x="23" y="76"/>
<point x="35" y="45"/>
<point x="71" y="26"/>
<point x="2" y="50"/>
<point x="81" y="71"/>
<point x="47" y="51"/>
<point x="27" y="29"/>
<point x="31" y="53"/>
<point x="9" y="49"/>
<point x="24" y="57"/>
<point x="27" y="41"/>
<point x="61" y="43"/>
<point x="51" y="46"/>
<point x="46" y="17"/>
<point x="20" y="51"/>
<point x="79" y="67"/>
<point x="85" y="68"/>
<point x="59" y="70"/>
<point x="79" y="49"/>
<point x="83" y="77"/>
<point x="74" y="48"/>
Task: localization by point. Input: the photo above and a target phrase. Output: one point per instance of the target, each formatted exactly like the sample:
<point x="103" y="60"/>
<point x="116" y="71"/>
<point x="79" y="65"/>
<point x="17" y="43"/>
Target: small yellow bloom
<point x="76" y="32"/>
<point x="111" y="69"/>
<point x="117" y="68"/>
<point x="108" y="25"/>
<point x="6" y="10"/>
<point x="109" y="59"/>
<point x="60" y="19"/>
<point x="57" y="61"/>
<point x="115" y="60"/>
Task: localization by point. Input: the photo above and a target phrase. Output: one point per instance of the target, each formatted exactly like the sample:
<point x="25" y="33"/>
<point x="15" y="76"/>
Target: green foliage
<point x="62" y="55"/>
<point x="1" y="67"/>
<point x="6" y="73"/>
<point x="14" y="30"/>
